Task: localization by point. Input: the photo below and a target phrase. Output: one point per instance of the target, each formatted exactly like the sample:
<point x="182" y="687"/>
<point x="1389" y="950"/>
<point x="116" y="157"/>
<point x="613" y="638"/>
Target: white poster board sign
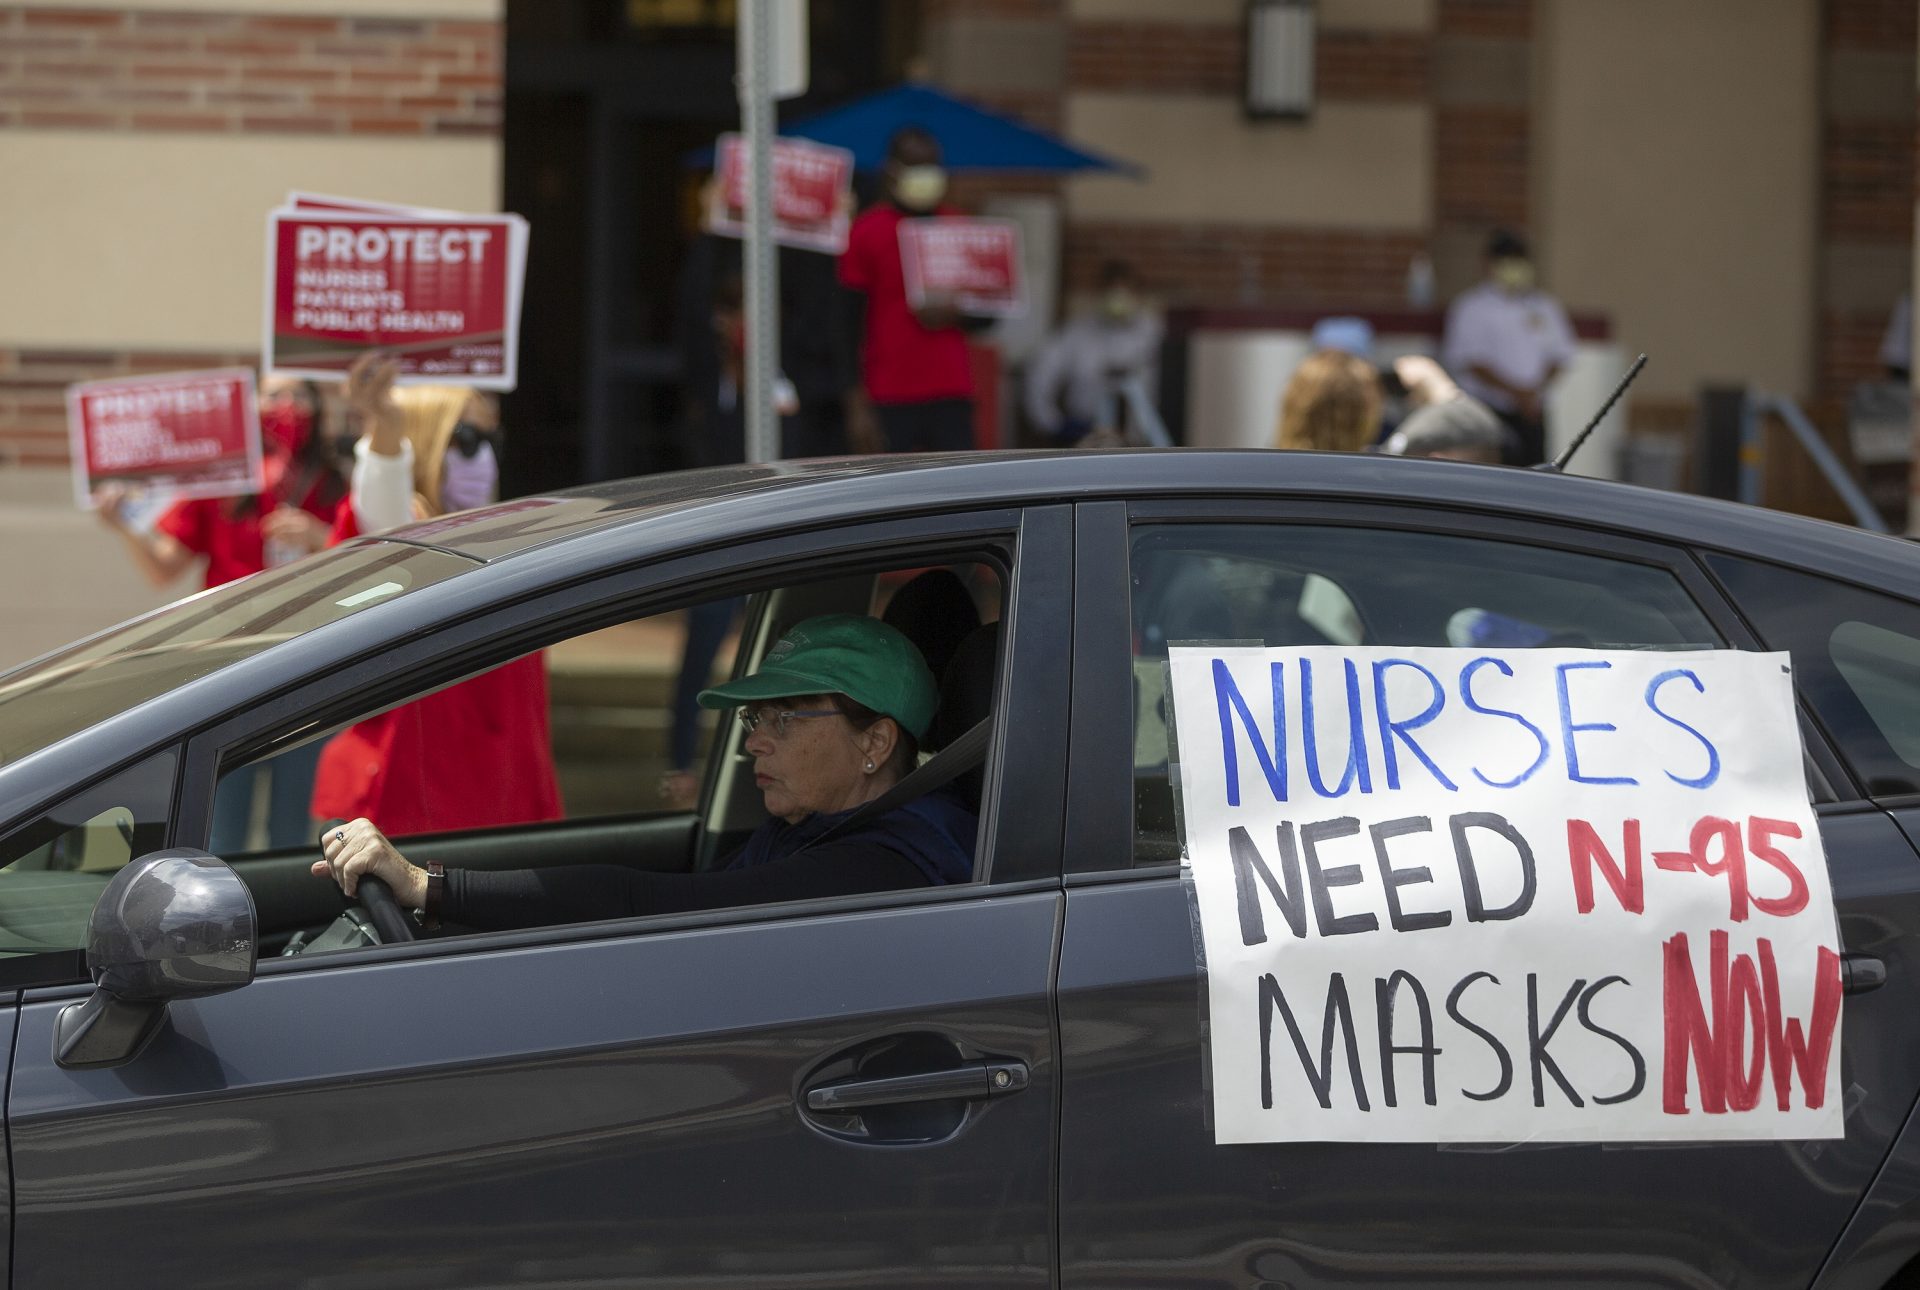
<point x="1462" y="895"/>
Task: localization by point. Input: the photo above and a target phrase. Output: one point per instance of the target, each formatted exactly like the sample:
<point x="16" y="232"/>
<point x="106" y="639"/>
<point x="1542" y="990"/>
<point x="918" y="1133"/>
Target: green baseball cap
<point x="862" y="658"/>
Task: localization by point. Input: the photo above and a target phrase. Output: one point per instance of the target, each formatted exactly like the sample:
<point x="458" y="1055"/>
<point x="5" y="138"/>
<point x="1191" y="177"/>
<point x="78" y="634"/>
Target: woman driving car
<point x="833" y="719"/>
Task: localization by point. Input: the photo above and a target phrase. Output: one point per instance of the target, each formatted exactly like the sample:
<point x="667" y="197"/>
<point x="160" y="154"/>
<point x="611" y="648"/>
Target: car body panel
<point x="1763" y="1214"/>
<point x="553" y="1114"/>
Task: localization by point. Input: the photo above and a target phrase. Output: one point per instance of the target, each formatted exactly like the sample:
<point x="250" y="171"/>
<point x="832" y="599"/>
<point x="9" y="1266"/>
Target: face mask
<point x="1514" y="274"/>
<point x="469" y="481"/>
<point x="286" y="425"/>
<point x="1119" y="304"/>
<point x="920" y="188"/>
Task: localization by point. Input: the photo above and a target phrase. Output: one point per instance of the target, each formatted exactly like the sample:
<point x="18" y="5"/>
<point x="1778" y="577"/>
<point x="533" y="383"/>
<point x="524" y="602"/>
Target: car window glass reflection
<point x="1861" y="676"/>
<point x="53" y="868"/>
<point x="1304" y="585"/>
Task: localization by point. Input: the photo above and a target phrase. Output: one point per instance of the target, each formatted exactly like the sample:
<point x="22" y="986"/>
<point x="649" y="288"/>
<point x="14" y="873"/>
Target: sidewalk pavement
<point x="62" y="575"/>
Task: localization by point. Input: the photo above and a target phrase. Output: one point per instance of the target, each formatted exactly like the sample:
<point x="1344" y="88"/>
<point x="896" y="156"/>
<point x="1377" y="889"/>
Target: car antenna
<point x="1559" y="464"/>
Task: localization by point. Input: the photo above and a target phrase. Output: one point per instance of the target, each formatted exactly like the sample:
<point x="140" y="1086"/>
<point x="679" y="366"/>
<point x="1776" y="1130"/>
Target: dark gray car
<point x="994" y="1083"/>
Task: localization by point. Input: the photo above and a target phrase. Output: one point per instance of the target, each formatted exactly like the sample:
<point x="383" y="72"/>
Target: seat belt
<point x="945" y="766"/>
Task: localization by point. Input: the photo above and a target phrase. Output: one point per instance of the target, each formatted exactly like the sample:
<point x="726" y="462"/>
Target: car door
<point x="690" y="1100"/>
<point x="1146" y="1195"/>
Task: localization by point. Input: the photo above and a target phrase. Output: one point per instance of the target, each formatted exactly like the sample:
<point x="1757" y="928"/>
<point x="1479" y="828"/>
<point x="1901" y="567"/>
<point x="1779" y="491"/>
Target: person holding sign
<point x="238" y="536"/>
<point x="478" y="753"/>
<point x="915" y="392"/>
<point x="833" y="717"/>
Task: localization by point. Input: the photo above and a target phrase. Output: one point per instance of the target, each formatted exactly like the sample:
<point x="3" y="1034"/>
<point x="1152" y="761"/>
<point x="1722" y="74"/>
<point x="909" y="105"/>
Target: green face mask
<point x="1514" y="274"/>
<point x="920" y="188"/>
<point x="1119" y="304"/>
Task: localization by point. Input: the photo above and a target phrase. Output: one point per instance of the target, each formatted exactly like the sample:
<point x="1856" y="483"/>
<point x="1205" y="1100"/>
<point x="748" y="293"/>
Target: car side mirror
<point x="175" y="924"/>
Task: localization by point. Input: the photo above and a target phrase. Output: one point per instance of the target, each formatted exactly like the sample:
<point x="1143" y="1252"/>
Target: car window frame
<point x="1102" y="708"/>
<point x="1020" y="810"/>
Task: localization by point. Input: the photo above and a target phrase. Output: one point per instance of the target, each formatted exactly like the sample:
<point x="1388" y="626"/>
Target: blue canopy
<point x="971" y="137"/>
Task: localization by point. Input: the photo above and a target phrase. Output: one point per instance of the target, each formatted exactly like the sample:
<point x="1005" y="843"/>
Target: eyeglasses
<point x="751" y="718"/>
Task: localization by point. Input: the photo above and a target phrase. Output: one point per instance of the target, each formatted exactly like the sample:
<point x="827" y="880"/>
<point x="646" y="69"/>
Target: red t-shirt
<point x="232" y="545"/>
<point x="900" y="361"/>
<point x="472" y="756"/>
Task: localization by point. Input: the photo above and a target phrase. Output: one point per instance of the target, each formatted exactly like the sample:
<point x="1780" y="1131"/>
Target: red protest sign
<point x="972" y="264"/>
<point x="812" y="193"/>
<point x="441" y="294"/>
<point x="196" y="434"/>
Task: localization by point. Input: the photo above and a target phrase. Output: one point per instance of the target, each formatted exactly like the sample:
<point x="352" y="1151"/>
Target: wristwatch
<point x="436" y="890"/>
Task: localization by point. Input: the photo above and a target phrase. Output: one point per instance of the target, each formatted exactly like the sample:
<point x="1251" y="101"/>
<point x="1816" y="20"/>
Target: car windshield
<point x="67" y="691"/>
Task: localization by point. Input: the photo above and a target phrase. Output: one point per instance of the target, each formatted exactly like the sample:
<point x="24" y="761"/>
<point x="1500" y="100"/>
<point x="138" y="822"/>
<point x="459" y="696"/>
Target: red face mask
<point x="285" y="427"/>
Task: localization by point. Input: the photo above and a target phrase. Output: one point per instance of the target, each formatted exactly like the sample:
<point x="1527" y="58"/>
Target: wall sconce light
<point x="1280" y="59"/>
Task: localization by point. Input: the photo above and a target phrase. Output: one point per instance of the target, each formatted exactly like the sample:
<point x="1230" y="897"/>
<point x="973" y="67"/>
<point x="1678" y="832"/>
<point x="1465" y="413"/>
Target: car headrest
<point x="966" y="687"/>
<point x="935" y="611"/>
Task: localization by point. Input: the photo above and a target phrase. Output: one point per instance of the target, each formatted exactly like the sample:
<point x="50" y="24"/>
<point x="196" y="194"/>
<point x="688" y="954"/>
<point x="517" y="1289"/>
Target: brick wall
<point x="111" y="69"/>
<point x="1866" y="191"/>
<point x="1230" y="263"/>
<point x="33" y="383"/>
<point x="1223" y="264"/>
<point x="1210" y="58"/>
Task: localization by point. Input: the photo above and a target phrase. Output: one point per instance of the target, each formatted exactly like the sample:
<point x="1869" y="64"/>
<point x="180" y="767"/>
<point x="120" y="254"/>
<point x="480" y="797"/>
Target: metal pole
<point x="1753" y="454"/>
<point x="754" y="46"/>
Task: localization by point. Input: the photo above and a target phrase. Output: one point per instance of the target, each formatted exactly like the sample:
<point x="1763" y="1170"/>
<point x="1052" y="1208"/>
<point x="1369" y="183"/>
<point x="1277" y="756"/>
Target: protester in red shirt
<point x="476" y="754"/>
<point x="238" y="536"/>
<point x="916" y="388"/>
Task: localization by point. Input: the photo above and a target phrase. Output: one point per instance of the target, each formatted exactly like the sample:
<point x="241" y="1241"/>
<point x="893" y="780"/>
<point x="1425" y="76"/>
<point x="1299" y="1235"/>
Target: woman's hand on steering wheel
<point x="355" y="849"/>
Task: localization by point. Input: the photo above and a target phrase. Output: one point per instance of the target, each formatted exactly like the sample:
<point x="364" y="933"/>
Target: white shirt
<point x="381" y="487"/>
<point x="1084" y="357"/>
<point x="1519" y="338"/>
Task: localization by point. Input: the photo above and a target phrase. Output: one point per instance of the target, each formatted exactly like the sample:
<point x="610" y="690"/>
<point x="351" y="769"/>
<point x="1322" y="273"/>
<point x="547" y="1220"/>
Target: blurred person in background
<point x="237" y="536"/>
<point x="1332" y="404"/>
<point x="476" y="754"/>
<point x="1074" y="383"/>
<point x="915" y="386"/>
<point x="712" y="349"/>
<point x="1443" y="420"/>
<point x="1507" y="340"/>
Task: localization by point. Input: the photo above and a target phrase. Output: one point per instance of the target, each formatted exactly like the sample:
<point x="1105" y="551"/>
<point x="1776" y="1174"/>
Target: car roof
<point x="853" y="487"/>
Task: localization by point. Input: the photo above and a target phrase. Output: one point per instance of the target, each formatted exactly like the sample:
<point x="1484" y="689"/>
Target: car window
<point x="603" y="724"/>
<point x="1856" y="655"/>
<point x="55" y="866"/>
<point x="1303" y="585"/>
<point x="591" y="751"/>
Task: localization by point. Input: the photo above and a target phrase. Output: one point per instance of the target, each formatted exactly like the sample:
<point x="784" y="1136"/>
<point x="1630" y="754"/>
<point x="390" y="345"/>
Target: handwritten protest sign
<point x="812" y="193"/>
<point x="194" y="434"/>
<point x="1506" y="896"/>
<point x="972" y="264"/>
<point x="441" y="292"/>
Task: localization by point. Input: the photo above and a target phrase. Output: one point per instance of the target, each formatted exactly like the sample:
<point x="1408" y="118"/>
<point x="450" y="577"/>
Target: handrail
<point x="1758" y="404"/>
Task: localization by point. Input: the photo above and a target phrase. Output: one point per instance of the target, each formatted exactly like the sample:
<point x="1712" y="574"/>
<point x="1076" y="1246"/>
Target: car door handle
<point x="1860" y="973"/>
<point x="972" y="1082"/>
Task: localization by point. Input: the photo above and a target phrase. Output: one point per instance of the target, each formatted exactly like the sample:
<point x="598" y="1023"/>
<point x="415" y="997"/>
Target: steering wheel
<point x="384" y="911"/>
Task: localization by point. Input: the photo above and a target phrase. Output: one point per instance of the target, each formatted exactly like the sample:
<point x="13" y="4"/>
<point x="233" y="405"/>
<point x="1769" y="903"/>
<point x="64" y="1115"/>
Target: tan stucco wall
<point x="1353" y="165"/>
<point x="1676" y="181"/>
<point x="1346" y="15"/>
<point x="158" y="241"/>
<point x="472" y="10"/>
